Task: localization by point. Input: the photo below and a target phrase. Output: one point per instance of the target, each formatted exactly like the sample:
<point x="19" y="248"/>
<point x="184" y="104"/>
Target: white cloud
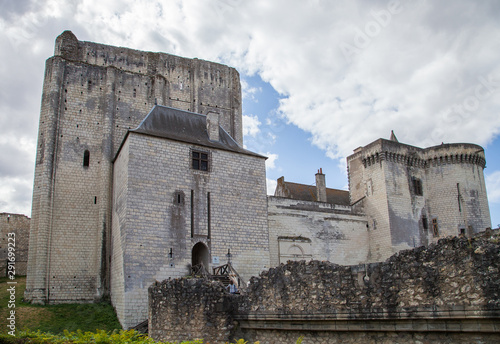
<point x="251" y="125"/>
<point x="271" y="164"/>
<point x="493" y="186"/>
<point x="271" y="160"/>
<point x="248" y="92"/>
<point x="431" y="72"/>
<point x="16" y="195"/>
<point x="271" y="186"/>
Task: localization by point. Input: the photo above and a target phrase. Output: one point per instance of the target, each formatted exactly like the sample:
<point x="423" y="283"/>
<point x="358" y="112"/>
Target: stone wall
<point x="445" y="293"/>
<point x="303" y="230"/>
<point x="203" y="309"/>
<point x="14" y="228"/>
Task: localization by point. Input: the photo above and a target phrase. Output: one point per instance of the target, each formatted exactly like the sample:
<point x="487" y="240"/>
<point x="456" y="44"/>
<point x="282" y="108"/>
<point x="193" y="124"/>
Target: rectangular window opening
<point x="86" y="158"/>
<point x="417" y="186"/>
<point x="459" y="198"/>
<point x="199" y="161"/>
<point x="435" y="228"/>
<point x="425" y="224"/>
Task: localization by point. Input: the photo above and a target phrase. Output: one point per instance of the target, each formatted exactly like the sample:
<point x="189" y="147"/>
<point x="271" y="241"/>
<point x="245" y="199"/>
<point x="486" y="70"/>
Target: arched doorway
<point x="200" y="255"/>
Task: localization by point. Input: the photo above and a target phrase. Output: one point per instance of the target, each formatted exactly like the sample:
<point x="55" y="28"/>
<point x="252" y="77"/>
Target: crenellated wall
<point x="413" y="196"/>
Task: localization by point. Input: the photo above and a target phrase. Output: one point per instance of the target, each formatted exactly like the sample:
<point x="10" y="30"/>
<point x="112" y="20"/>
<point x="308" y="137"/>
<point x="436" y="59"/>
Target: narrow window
<point x="462" y="231"/>
<point x="435" y="228"/>
<point x="86" y="158"/>
<point x="417" y="186"/>
<point x="425" y="224"/>
<point x="179" y="198"/>
<point x="459" y="198"/>
<point x="199" y="161"/>
<point x="95" y="199"/>
<point x="192" y="213"/>
<point x="208" y="215"/>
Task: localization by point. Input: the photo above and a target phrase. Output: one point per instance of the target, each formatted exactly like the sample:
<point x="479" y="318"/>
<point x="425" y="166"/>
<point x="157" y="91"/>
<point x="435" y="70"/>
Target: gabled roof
<point x="185" y="126"/>
<point x="304" y="192"/>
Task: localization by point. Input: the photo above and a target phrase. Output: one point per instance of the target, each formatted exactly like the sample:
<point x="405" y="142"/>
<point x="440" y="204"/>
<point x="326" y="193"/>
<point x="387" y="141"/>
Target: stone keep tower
<point x="414" y="196"/>
<point x="92" y="95"/>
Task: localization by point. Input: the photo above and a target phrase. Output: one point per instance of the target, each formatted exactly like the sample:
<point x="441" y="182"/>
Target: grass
<point x="68" y="323"/>
<point x="54" y="318"/>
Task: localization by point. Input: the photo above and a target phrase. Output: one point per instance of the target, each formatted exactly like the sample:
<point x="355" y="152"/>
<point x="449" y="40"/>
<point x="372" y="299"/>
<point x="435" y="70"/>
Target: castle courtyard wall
<point x="301" y="230"/>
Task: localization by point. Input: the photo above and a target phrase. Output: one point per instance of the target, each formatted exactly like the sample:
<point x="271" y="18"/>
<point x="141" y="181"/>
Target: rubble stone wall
<point x="445" y="293"/>
<point x="189" y="309"/>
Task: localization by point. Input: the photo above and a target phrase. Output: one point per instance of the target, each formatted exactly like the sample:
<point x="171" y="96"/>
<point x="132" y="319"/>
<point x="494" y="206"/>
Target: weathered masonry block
<point x="445" y="293"/>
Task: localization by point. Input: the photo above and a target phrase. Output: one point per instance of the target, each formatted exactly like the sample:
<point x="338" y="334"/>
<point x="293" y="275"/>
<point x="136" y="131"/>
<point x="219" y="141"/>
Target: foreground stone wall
<point x="453" y="273"/>
<point x="188" y="309"/>
<point x="445" y="293"/>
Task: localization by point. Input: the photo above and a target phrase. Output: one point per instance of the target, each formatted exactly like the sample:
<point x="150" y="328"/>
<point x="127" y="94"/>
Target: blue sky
<point x="319" y="78"/>
<point x="298" y="159"/>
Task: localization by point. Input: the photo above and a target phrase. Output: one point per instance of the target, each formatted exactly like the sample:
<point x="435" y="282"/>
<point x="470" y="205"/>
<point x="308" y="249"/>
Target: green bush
<point x="80" y="337"/>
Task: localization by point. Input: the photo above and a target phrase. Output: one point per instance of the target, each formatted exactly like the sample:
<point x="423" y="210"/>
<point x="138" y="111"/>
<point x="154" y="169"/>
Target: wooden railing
<point x="228" y="270"/>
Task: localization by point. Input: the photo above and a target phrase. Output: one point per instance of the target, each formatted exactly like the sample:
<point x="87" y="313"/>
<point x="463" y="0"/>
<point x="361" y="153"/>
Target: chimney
<point x="213" y="126"/>
<point x="320" y="186"/>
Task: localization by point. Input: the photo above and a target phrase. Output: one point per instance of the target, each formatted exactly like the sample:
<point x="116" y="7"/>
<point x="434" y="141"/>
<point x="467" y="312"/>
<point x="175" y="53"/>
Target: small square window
<point x="199" y="161"/>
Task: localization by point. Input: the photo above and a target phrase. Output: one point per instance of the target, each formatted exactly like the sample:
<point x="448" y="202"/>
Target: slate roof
<point x="185" y="126"/>
<point x="308" y="193"/>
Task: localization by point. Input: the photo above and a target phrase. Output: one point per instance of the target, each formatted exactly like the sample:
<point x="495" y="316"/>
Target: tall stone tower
<point x="414" y="196"/>
<point x="92" y="95"/>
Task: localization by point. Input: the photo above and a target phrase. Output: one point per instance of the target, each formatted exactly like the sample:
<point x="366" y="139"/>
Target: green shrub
<point x="98" y="337"/>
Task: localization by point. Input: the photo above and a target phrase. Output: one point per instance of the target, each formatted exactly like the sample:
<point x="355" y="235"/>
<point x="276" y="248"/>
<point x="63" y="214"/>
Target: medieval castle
<point x="140" y="175"/>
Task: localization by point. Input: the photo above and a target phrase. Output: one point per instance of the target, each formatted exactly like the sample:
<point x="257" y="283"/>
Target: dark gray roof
<point x="185" y="126"/>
